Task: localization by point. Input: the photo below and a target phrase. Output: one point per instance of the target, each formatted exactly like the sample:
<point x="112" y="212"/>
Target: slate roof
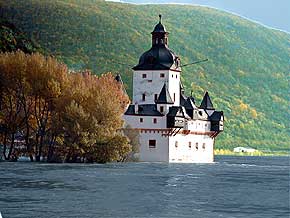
<point x="206" y="102"/>
<point x="164" y="96"/>
<point x="159" y="57"/>
<point x="187" y="102"/>
<point x="216" y="116"/>
<point x="118" y="78"/>
<point x="159" y="28"/>
<point x="143" y="110"/>
<point x="177" y="111"/>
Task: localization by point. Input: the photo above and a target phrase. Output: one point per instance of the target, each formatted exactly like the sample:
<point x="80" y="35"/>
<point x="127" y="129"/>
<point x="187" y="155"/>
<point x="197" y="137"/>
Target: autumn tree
<point x="91" y="116"/>
<point x="61" y="116"/>
<point x="13" y="89"/>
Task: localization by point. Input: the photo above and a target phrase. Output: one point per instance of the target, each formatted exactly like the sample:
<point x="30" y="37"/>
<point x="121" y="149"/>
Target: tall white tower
<point x="157" y="67"/>
<point x="172" y="128"/>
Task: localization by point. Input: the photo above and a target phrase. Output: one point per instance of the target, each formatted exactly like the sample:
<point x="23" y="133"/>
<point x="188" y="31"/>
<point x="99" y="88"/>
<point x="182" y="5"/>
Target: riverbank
<point x="255" y="153"/>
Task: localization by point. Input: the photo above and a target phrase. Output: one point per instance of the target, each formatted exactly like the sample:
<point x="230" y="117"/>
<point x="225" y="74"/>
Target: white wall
<point x="157" y="154"/>
<point x="150" y="85"/>
<point x="153" y="84"/>
<point x="184" y="154"/>
<point x="198" y="125"/>
<point x="174" y="86"/>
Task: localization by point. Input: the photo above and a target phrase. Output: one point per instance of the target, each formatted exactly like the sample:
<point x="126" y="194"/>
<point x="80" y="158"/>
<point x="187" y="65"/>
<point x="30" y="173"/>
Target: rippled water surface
<point x="232" y="187"/>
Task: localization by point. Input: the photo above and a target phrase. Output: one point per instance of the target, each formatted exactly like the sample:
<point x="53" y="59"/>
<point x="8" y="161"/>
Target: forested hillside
<point x="246" y="74"/>
<point x="12" y="39"/>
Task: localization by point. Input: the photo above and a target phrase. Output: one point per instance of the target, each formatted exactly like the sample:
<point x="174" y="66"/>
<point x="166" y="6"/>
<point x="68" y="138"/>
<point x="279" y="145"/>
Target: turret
<point x="159" y="34"/>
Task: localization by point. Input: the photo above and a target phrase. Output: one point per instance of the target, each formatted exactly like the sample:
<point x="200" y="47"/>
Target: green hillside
<point x="12" y="39"/>
<point x="246" y="74"/>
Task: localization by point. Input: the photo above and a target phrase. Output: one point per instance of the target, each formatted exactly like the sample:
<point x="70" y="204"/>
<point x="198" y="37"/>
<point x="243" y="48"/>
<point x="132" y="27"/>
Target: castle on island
<point x="172" y="127"/>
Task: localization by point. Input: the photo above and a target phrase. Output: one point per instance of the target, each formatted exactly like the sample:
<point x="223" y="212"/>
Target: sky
<point x="271" y="13"/>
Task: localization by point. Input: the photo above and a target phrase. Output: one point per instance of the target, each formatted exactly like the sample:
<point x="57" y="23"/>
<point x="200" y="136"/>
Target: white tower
<point x="172" y="128"/>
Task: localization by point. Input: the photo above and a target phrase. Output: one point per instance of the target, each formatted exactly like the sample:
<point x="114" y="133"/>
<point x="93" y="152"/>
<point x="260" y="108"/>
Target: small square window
<point x="154" y="120"/>
<point x="150" y="80"/>
<point x="161" y="109"/>
<point x="196" y="146"/>
<point x="144" y="75"/>
<point x="152" y="143"/>
<point x="162" y="75"/>
<point x="203" y="146"/>
<point x="141" y="120"/>
<point x="189" y="144"/>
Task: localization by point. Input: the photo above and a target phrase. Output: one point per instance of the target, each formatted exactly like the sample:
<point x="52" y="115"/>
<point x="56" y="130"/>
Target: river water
<point x="246" y="187"/>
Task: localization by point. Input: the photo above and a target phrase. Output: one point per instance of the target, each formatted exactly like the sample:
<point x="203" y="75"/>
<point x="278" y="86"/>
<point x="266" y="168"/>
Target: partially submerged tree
<point x="73" y="117"/>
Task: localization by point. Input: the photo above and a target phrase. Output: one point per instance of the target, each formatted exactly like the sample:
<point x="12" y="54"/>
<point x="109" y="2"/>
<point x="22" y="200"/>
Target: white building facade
<point x="171" y="127"/>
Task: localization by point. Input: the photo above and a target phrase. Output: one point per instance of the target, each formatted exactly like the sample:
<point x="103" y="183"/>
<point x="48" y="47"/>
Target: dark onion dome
<point x="159" y="57"/>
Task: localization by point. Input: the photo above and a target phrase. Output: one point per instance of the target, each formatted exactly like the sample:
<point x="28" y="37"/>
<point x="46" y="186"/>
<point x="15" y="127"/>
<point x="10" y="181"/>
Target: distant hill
<point x="272" y="13"/>
<point x="246" y="74"/>
<point x="12" y="39"/>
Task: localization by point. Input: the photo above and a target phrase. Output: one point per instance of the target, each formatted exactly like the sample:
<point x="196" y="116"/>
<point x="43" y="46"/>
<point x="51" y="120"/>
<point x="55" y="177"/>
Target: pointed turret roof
<point x="164" y="96"/>
<point x="206" y="102"/>
<point x="118" y="78"/>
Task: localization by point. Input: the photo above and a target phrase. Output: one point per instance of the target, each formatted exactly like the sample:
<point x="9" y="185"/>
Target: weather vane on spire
<point x="160" y="16"/>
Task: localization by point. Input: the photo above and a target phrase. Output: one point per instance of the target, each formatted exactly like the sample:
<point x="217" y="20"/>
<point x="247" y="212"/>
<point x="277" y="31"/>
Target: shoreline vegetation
<point x="51" y="114"/>
<point x="227" y="152"/>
